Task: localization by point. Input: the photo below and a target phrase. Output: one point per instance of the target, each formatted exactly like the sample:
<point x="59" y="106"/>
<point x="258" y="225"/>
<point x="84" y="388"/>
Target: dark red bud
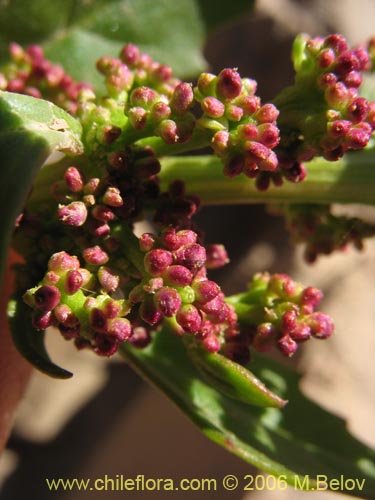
<point x="47" y="297"/>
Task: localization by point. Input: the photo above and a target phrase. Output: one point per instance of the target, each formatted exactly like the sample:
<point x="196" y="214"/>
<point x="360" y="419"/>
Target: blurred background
<point x="107" y="421"/>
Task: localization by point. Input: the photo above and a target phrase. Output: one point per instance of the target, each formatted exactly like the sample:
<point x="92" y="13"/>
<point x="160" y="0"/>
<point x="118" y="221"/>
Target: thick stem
<point x="349" y="180"/>
<point x="199" y="140"/>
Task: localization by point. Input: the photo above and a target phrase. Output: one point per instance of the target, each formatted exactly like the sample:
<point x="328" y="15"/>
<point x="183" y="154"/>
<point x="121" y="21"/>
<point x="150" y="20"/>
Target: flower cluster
<point x="103" y="285"/>
<point x="278" y="312"/>
<point x="323" y="114"/>
<point x="170" y="286"/>
<point x="322" y="232"/>
<point x="244" y="132"/>
<point x="64" y="299"/>
<point x="30" y="73"/>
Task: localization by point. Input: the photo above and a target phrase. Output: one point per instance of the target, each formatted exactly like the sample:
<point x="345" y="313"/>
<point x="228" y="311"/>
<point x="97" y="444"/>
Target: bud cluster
<point x="322" y="232"/>
<point x="175" y="288"/>
<point x="323" y="113"/>
<point x="96" y="204"/>
<point x="67" y="299"/>
<point x="244" y="131"/>
<point x="278" y="312"/>
<point x="30" y="73"/>
<point x="171" y="287"/>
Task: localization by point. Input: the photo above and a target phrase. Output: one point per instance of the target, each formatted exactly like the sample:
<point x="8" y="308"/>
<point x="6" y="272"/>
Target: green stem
<point x="349" y="180"/>
<point x="199" y="140"/>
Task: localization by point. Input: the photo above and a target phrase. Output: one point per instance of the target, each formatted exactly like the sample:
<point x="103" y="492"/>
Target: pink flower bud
<point x="301" y="333"/>
<point x="220" y="142"/>
<point x="95" y="255"/>
<point x="326" y="58"/>
<point x="74" y="179"/>
<point x="288" y="321"/>
<point x="108" y="279"/>
<point x="311" y="296"/>
<point x="167" y="301"/>
<point x="74" y="214"/>
<point x="160" y="111"/>
<point x="192" y="256"/>
<point x="157" y="261"/>
<point x="130" y="54"/>
<point x="62" y="261"/>
<point x="269" y="135"/>
<point x="73" y="282"/>
<point x="268" y="113"/>
<point x="102" y="213"/>
<point x="338" y="128"/>
<point x="358" y="109"/>
<point x="177" y="276"/>
<point x="213" y="107"/>
<point x="146" y="242"/>
<point x="216" y="256"/>
<point x="353" y="79"/>
<point x="182" y="98"/>
<point x="287" y="345"/>
<point x="357" y="138"/>
<point x="112" y="197"/>
<point x="189" y="318"/>
<point x="168" y="131"/>
<point x="249" y="104"/>
<point x="137" y="117"/>
<point x="143" y="97"/>
<point x="337" y="42"/>
<point x="233" y="113"/>
<point x="228" y="84"/>
<point x="211" y="343"/>
<point x="205" y="291"/>
<point x="119" y="328"/>
<point x="321" y="325"/>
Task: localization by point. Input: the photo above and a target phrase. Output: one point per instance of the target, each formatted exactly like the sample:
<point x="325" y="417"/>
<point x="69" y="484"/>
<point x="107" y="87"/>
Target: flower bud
<point x="192" y="256"/>
<point x="216" y="256"/>
<point x="228" y="84"/>
<point x="205" y="291"/>
<point x="157" y="261"/>
<point x="74" y="179"/>
<point x="189" y="318"/>
<point x="95" y="255"/>
<point x="167" y="301"/>
<point x="119" y="328"/>
<point x="108" y="279"/>
<point x="177" y="276"/>
<point x="287" y="345"/>
<point x="47" y="297"/>
<point x="73" y="282"/>
<point x="213" y="107"/>
<point x="74" y="214"/>
<point x="182" y="98"/>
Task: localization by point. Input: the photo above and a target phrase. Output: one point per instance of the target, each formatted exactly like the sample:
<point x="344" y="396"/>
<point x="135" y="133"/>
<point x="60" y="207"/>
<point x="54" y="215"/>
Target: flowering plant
<point x="92" y="276"/>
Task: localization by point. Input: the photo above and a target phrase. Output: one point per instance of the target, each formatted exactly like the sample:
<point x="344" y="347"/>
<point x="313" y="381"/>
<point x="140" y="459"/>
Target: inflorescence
<point x="98" y="283"/>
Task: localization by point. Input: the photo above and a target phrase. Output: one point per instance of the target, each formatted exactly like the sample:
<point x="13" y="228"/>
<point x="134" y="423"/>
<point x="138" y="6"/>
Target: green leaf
<point x="30" y="130"/>
<point x="30" y="342"/>
<point x="232" y="379"/>
<point x="299" y="440"/>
